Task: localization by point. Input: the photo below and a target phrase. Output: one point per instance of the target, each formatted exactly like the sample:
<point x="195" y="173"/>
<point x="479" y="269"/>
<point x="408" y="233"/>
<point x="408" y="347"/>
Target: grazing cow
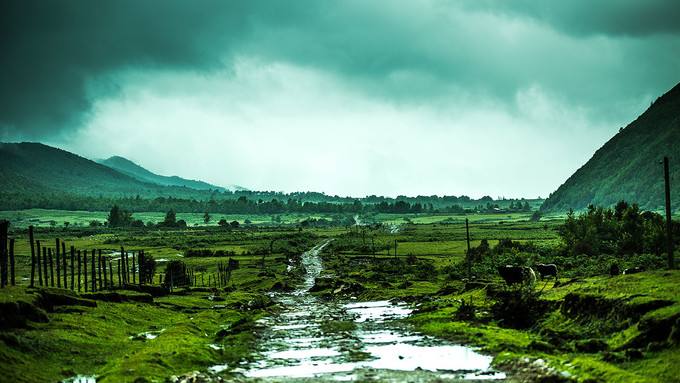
<point x="547" y="270"/>
<point x="517" y="275"/>
<point x="633" y="270"/>
<point x="614" y="270"/>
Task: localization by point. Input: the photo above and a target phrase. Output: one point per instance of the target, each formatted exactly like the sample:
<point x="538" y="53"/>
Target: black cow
<point x="633" y="270"/>
<point x="517" y="275"/>
<point x="547" y="270"/>
<point x="614" y="270"/>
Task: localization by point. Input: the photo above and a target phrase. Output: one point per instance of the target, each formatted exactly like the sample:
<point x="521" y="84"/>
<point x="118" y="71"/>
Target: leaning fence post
<point x="11" y="262"/>
<point x="119" y="277"/>
<point x="30" y="239"/>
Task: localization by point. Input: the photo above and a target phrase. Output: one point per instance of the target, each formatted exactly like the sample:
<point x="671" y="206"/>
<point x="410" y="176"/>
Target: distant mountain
<point x="130" y="168"/>
<point x="628" y="166"/>
<point x="33" y="168"/>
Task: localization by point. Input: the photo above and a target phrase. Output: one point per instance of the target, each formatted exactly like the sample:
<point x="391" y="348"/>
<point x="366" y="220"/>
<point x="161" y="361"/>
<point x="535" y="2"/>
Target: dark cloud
<point x="53" y="50"/>
<point x="586" y="17"/>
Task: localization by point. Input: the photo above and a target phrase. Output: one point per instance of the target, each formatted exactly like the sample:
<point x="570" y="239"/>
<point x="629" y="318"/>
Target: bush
<point x="176" y="274"/>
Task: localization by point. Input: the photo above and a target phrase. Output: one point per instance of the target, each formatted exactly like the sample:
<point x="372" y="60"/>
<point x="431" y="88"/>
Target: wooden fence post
<point x="119" y="276"/>
<point x="84" y="268"/>
<point x="134" y="279"/>
<point x="39" y="262"/>
<point x="140" y="262"/>
<point x="11" y="262"/>
<point x="106" y="281"/>
<point x="63" y="252"/>
<point x="30" y="239"/>
<point x="99" y="268"/>
<point x="45" y="269"/>
<point x="110" y="274"/>
<point x="94" y="272"/>
<point x="56" y="253"/>
<point x="73" y="259"/>
<point x="79" y="268"/>
<point x="4" y="226"/>
<point x="49" y="254"/>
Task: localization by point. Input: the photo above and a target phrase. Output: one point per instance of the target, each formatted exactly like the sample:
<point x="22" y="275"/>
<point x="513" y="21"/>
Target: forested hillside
<point x="628" y="167"/>
<point x="132" y="169"/>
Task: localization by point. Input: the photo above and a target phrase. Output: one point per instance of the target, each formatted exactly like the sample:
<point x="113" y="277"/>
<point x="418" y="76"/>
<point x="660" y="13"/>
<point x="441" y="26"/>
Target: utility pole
<point x="469" y="261"/>
<point x="669" y="222"/>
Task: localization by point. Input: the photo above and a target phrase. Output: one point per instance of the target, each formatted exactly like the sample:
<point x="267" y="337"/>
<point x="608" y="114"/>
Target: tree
<point x="119" y="217"/>
<point x="170" y="219"/>
<point x="206" y="218"/>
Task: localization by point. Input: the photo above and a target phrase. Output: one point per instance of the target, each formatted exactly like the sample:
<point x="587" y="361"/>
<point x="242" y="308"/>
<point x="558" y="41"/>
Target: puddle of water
<point x="218" y="368"/>
<point x="148" y="335"/>
<point x="300" y="342"/>
<point x="81" y="379"/>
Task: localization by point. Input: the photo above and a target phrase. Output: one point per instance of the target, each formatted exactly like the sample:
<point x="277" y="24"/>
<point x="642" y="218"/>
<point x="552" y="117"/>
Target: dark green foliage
<point x="208" y="253"/>
<point x="627" y="167"/>
<point x="622" y="230"/>
<point x="176" y="274"/>
<point x="119" y="217"/>
<point x="147" y="267"/>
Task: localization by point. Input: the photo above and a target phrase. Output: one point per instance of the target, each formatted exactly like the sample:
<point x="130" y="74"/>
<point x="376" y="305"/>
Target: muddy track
<point x="321" y="340"/>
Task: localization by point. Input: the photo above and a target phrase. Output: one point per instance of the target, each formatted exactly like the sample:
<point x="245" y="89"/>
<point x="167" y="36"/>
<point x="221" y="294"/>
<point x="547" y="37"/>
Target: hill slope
<point x="33" y="168"/>
<point x="628" y="166"/>
<point x="130" y="168"/>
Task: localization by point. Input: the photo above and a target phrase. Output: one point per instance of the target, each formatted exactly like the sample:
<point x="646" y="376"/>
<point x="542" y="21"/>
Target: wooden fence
<point x="90" y="270"/>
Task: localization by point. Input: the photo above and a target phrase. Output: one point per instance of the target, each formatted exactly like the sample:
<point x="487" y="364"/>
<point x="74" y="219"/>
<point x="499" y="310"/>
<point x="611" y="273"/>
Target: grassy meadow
<point x="582" y="328"/>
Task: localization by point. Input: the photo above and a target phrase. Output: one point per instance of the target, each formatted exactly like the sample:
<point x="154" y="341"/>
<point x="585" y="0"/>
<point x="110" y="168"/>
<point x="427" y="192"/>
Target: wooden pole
<point x="11" y="262"/>
<point x="468" y="258"/>
<point x="56" y="253"/>
<point x="49" y="254"/>
<point x="30" y="239"/>
<point x="669" y="220"/>
<point x="39" y="262"/>
<point x="63" y="252"/>
<point x="45" y="268"/>
<point x="94" y="272"/>
<point x="79" y="268"/>
<point x="73" y="274"/>
<point x="110" y="274"/>
<point x="84" y="268"/>
<point x="106" y="281"/>
<point x="134" y="280"/>
<point x="4" y="226"/>
<point x="99" y="268"/>
<point x="119" y="280"/>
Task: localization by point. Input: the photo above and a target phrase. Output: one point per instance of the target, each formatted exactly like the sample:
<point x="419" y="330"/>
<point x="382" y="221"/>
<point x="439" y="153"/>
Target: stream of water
<point x="315" y="339"/>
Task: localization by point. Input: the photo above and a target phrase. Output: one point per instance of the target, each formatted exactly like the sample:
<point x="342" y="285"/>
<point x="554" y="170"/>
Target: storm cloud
<point x="412" y="75"/>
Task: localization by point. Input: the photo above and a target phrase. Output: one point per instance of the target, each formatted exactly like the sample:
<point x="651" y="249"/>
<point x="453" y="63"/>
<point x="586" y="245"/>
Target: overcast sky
<point x="500" y="98"/>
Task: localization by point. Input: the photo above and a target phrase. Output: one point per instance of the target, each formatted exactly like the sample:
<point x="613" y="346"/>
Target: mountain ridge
<point x="627" y="167"/>
<point x="135" y="170"/>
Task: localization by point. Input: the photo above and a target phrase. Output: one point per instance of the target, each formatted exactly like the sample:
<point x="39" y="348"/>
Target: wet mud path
<point x="316" y="339"/>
